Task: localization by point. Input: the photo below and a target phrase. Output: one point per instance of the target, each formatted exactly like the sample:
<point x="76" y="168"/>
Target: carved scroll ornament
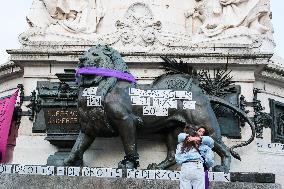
<point x="138" y="25"/>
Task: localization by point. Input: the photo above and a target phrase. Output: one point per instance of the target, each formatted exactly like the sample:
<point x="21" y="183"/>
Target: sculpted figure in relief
<point x="76" y="16"/>
<point x="196" y="16"/>
<point x="227" y="14"/>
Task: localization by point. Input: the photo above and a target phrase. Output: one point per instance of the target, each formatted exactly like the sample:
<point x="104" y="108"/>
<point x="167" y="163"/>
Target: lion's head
<point x="103" y="56"/>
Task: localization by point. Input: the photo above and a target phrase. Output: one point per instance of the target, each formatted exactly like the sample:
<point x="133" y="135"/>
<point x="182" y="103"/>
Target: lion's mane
<point x="108" y="58"/>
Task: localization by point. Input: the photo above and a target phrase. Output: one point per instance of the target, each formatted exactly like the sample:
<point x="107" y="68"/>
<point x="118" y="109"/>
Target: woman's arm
<point x="181" y="137"/>
<point x="208" y="141"/>
<point x="179" y="156"/>
<point x="208" y="156"/>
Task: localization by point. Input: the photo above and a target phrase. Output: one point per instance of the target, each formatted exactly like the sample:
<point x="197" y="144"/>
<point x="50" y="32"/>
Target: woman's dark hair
<point x="206" y="133"/>
<point x="189" y="129"/>
<point x="188" y="145"/>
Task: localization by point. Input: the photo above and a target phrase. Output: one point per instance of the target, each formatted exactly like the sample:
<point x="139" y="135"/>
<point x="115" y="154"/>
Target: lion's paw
<point x="153" y="166"/>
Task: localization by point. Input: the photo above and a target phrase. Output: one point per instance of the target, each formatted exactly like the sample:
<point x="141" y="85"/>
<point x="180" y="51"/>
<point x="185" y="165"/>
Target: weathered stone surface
<point x="253" y="177"/>
<point x="149" y="26"/>
<point x="243" y="185"/>
<point x="8" y="181"/>
<point x="35" y="181"/>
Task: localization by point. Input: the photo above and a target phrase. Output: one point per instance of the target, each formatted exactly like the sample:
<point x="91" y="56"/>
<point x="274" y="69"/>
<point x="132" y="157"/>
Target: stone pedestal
<point x="8" y="181"/>
<point x="142" y="32"/>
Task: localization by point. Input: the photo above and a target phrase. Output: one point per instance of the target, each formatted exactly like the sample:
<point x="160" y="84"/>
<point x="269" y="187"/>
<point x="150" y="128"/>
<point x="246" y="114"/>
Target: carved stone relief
<point x="64" y="18"/>
<point x="182" y="24"/>
<point x="230" y="14"/>
<point x="195" y="17"/>
<point x="140" y="28"/>
<point x="138" y="25"/>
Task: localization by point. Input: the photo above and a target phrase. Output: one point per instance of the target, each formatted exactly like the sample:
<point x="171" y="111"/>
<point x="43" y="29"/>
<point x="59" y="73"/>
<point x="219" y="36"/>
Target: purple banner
<point x="105" y="72"/>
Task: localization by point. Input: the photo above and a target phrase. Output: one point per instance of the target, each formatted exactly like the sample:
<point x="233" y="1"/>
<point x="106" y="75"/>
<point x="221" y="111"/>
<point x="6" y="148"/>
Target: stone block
<point x="8" y="181"/>
<point x="243" y="185"/>
<point x="253" y="177"/>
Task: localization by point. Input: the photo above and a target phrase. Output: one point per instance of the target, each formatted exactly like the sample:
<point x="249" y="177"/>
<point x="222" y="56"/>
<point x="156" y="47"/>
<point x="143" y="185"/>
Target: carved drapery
<point x="64" y="17"/>
<point x="226" y="14"/>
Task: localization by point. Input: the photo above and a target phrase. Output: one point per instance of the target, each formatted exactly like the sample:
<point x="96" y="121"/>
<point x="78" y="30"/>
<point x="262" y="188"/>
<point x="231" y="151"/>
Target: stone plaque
<point x="60" y="120"/>
<point x="57" y="116"/>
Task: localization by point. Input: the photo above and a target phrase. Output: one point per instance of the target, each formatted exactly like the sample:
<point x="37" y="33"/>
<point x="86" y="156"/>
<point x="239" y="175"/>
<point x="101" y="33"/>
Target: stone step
<point x="8" y="181"/>
<point x="243" y="185"/>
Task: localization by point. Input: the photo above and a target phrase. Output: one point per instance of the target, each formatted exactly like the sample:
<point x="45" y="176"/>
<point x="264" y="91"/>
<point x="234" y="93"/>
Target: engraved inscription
<point x="59" y="116"/>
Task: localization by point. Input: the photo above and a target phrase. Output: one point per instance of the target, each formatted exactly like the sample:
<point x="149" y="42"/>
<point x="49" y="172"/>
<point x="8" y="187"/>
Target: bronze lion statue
<point x="116" y="112"/>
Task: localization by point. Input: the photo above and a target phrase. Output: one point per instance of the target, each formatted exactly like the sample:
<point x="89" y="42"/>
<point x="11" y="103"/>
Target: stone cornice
<point x="21" y="56"/>
<point x="9" y="71"/>
<point x="273" y="72"/>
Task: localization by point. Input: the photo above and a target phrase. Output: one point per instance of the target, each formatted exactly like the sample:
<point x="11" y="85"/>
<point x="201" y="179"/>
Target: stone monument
<point x="206" y="35"/>
<point x="110" y="104"/>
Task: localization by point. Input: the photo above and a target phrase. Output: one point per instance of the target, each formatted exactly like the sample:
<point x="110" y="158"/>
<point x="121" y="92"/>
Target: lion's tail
<point x="241" y="113"/>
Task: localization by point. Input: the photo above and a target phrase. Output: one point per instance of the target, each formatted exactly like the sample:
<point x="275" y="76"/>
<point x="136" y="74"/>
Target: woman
<point x="189" y="155"/>
<point x="202" y="132"/>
